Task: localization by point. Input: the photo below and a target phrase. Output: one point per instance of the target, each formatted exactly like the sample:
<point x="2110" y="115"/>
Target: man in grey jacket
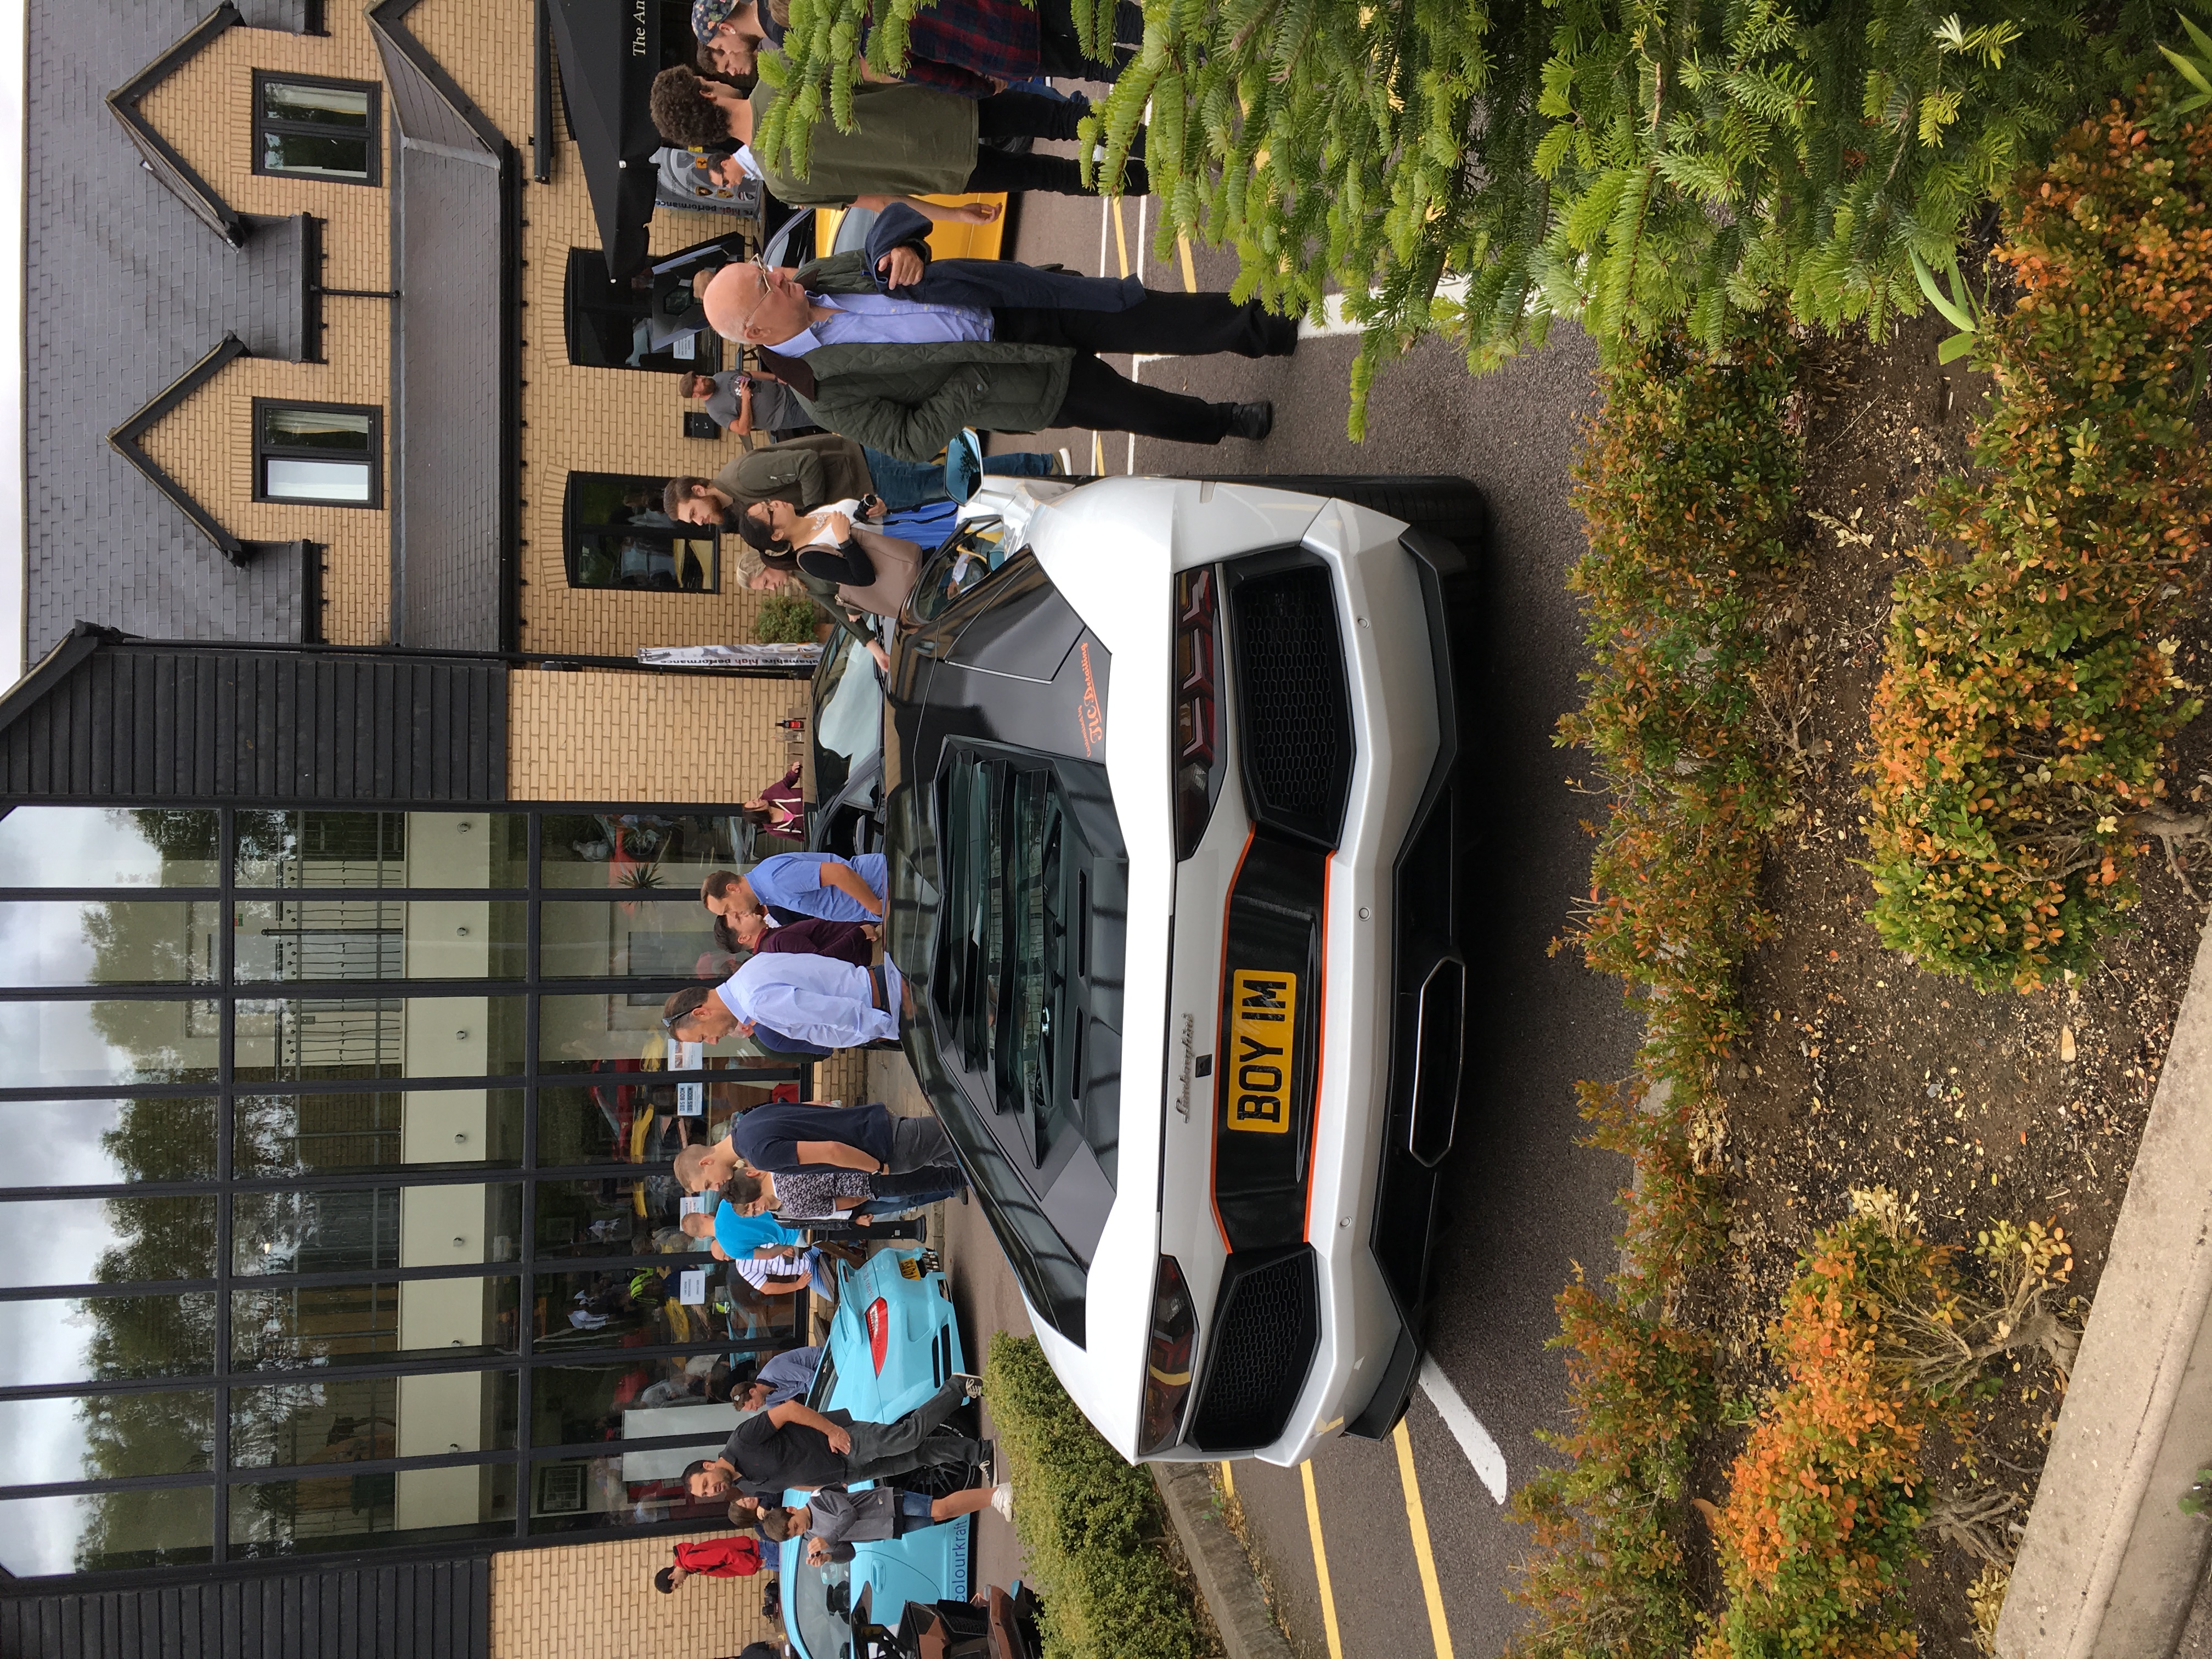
<point x="900" y="352"/>
<point x="835" y="1519"/>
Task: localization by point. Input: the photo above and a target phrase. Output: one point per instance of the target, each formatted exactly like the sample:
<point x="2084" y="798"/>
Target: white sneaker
<point x="1002" y="1499"/>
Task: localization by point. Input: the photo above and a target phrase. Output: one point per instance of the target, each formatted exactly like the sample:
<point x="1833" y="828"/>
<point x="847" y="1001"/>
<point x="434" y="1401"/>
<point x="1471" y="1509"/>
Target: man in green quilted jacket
<point x="1007" y="348"/>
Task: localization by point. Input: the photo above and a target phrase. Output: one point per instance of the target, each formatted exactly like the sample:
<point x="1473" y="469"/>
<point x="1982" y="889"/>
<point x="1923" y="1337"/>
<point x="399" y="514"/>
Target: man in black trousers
<point x="902" y="351"/>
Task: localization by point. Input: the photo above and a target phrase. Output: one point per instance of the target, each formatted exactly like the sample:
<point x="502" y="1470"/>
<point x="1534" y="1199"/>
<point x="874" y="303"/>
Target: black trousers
<point x="1029" y="115"/>
<point x="1165" y="325"/>
<point x="1099" y="398"/>
<point x="1059" y="175"/>
<point x="1061" y="54"/>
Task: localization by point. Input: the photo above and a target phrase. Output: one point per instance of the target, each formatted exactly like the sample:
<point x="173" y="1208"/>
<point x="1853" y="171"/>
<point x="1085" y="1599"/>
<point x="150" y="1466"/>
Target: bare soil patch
<point x="1864" y="1070"/>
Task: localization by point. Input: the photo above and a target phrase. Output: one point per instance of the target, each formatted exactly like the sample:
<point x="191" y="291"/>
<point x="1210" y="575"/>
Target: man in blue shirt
<point x="787" y="1376"/>
<point x="793" y="885"/>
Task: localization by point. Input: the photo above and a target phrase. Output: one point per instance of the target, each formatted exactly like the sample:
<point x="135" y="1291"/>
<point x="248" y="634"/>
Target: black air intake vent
<point x="1293" y="712"/>
<point x="1264" y="1335"/>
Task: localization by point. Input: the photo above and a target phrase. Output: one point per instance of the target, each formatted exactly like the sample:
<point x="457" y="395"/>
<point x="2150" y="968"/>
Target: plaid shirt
<point x="963" y="45"/>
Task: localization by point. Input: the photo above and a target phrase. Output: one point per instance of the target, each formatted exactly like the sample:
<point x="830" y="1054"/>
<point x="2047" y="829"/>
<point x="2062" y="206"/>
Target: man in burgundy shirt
<point x="973" y="47"/>
<point x="735" y="1557"/>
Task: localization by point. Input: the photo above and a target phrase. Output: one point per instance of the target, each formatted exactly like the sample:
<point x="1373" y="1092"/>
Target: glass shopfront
<point x="338" y="1212"/>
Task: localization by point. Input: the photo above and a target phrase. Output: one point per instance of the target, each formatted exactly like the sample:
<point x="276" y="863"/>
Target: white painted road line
<point x="1334" y="321"/>
<point x="1465" y="1428"/>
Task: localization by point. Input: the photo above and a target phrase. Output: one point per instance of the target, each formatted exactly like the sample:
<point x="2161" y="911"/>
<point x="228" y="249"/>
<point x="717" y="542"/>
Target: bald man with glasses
<point x="900" y="351"/>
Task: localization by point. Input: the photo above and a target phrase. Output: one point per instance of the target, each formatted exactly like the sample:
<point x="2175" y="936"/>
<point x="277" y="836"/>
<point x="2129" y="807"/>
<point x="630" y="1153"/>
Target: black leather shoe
<point x="1253" y="421"/>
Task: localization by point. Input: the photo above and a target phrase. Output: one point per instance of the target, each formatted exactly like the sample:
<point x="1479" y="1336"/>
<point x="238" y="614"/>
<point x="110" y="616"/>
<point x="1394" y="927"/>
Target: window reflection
<point x="427" y="1178"/>
<point x="47" y="1044"/>
<point x="381" y="850"/>
<point x="362" y="1419"/>
<point x="164" y="1528"/>
<point x="637" y="852"/>
<point x="290" y="1517"/>
<point x="633" y="1118"/>
<point x="624" y="1306"/>
<point x="301" y="1134"/>
<point x="635" y="938"/>
<point x="49" y="942"/>
<point x="366" y="1229"/>
<point x="94" y="846"/>
<point x="88" y="1143"/>
<point x="358" y="939"/>
<point x="108" y="1436"/>
<point x="331" y="1040"/>
<point x="279" y="1327"/>
<point x="108" y="1339"/>
<point x="109" y="1241"/>
<point x="582" y="1405"/>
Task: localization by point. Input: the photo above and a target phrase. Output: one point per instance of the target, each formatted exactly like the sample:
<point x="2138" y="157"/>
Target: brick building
<point x="346" y="854"/>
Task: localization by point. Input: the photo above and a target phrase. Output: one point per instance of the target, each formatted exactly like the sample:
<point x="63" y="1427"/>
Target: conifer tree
<point x="1481" y="166"/>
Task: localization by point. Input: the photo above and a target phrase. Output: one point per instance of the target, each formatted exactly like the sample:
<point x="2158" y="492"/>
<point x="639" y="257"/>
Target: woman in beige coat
<point x="873" y="572"/>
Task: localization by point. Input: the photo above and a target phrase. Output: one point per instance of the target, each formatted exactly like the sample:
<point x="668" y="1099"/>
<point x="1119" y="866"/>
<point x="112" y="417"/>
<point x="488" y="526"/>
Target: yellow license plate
<point x="1262" y="1013"/>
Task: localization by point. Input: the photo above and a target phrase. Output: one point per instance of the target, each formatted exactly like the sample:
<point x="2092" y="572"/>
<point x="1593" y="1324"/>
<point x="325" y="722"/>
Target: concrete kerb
<point x="2109" y="1563"/>
<point x="1217" y="1561"/>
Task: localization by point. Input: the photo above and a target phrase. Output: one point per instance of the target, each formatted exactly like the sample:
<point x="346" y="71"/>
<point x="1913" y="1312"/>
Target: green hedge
<point x="1093" y="1528"/>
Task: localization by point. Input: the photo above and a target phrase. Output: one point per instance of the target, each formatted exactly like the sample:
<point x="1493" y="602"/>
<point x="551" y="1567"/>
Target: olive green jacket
<point x="808" y="472"/>
<point x="908" y="140"/>
<point x="911" y="400"/>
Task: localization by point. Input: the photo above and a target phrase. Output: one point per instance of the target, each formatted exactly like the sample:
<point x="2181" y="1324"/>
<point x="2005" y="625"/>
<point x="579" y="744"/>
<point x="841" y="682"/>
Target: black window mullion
<point x="386" y="1174"/>
<point x="524" y="1396"/>
<point x="225" y="1120"/>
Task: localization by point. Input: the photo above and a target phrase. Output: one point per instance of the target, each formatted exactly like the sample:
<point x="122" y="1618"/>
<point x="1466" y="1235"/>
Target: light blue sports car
<point x="892" y="1345"/>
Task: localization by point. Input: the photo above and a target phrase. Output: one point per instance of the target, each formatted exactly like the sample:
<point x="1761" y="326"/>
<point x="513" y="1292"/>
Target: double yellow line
<point x="1416" y="1521"/>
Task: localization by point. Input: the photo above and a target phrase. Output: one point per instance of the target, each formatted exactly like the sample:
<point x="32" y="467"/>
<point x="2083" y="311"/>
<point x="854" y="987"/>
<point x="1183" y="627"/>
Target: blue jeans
<point x="916" y="483"/>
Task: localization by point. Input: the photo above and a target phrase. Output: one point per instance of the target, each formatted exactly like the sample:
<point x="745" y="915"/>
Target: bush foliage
<point x="2031" y="687"/>
<point x="1092" y="1525"/>
<point x="1627" y="163"/>
<point x="1685" y="485"/>
<point x="785" y="619"/>
<point x="1883" y="1340"/>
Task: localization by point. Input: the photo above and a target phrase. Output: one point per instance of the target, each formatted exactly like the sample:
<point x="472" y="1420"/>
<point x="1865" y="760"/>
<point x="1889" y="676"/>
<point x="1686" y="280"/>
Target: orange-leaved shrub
<point x="1825" y="1504"/>
<point x="2020" y="724"/>
<point x="1686" y="483"/>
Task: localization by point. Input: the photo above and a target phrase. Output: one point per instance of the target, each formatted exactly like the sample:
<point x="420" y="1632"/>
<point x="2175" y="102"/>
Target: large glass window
<point x="618" y="534"/>
<point x="338" y="1211"/>
<point x="305" y="124"/>
<point x="325" y="454"/>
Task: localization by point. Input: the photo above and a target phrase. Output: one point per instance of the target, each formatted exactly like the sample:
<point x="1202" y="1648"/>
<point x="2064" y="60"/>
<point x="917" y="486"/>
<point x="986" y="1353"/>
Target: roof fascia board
<point x="162" y="157"/>
<point x="387" y="22"/>
<point x="125" y="440"/>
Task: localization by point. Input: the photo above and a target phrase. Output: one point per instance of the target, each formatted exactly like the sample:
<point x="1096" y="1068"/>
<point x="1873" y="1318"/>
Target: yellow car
<point x="946" y="241"/>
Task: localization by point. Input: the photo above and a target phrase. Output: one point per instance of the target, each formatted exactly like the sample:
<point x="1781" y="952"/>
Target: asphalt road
<point x="1525" y="1204"/>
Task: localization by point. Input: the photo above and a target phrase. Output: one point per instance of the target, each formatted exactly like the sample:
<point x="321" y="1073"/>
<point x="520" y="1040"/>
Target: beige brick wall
<point x="596" y="1601"/>
<point x="576" y="419"/>
<point x="206" y="111"/>
<point x="843" y="1076"/>
<point x="586" y="420"/>
<point x="615" y="735"/>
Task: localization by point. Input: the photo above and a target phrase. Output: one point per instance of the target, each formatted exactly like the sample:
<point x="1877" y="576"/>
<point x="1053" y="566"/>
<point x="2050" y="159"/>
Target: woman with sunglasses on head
<point x="873" y="572"/>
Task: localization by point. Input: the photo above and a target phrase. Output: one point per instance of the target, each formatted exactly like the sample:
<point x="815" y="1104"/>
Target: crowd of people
<point x="876" y="374"/>
<point x="894" y="350"/>
<point x="786" y="1169"/>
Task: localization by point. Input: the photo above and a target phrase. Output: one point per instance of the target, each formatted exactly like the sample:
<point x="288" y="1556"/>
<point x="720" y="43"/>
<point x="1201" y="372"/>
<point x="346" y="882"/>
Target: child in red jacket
<point x="735" y="1557"/>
